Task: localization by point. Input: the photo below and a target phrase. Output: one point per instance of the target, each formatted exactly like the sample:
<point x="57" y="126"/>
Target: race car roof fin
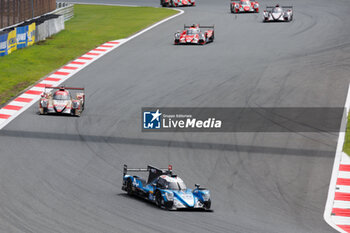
<point x="156" y="172"/>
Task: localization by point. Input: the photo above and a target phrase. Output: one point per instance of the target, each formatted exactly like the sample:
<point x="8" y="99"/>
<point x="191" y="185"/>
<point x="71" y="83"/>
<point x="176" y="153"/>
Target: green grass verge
<point x="91" y="26"/>
<point x="346" y="147"/>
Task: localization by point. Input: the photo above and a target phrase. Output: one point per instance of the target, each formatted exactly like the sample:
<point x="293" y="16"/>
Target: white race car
<point x="278" y="13"/>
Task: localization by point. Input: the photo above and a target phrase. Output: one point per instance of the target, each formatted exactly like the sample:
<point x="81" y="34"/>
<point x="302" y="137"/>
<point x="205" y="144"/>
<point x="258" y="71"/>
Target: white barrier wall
<point x="49" y="28"/>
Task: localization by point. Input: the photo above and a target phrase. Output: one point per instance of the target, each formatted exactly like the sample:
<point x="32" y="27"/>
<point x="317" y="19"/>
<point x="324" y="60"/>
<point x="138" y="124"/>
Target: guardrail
<point x="65" y="9"/>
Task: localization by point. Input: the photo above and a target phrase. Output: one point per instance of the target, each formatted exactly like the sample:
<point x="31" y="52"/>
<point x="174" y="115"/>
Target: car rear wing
<point x="48" y="89"/>
<point x="283" y="7"/>
<point x="126" y="169"/>
<point x="153" y="171"/>
<point x="199" y="26"/>
<point x="66" y="88"/>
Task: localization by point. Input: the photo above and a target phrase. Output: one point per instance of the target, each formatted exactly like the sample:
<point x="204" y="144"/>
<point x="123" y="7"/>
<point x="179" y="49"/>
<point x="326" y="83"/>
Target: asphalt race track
<point x="63" y="174"/>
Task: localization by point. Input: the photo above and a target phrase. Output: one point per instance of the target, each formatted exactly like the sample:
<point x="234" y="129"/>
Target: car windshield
<point x="61" y="97"/>
<point x="245" y="3"/>
<point x="177" y="185"/>
<point x="277" y="10"/>
<point x="192" y="31"/>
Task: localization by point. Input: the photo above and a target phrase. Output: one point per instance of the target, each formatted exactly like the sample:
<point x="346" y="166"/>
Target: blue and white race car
<point x="165" y="189"/>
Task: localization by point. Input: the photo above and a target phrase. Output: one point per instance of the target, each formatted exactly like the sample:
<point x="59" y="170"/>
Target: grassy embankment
<point x="90" y="27"/>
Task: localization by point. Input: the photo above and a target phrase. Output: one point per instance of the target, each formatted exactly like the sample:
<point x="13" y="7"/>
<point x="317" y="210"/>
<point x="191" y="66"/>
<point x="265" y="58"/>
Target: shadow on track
<point x="167" y="143"/>
<point x="150" y="204"/>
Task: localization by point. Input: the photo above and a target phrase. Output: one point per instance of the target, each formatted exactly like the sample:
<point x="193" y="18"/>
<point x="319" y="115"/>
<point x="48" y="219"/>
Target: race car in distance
<point x="244" y="6"/>
<point x="194" y="35"/>
<point x="60" y="101"/>
<point x="175" y="3"/>
<point x="165" y="189"/>
<point x="278" y="13"/>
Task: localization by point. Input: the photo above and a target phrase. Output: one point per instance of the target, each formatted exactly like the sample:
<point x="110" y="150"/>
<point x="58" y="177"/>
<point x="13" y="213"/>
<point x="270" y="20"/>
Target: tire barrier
<point x="29" y="32"/>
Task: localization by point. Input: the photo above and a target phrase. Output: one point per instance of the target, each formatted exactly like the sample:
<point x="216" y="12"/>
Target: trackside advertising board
<point x="21" y="35"/>
<point x="3" y="44"/>
<point x="31" y="34"/>
<point x="18" y="38"/>
<point x="11" y="41"/>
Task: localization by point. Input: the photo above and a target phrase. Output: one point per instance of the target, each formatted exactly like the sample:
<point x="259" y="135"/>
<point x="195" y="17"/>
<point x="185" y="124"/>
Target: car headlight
<point x="75" y="104"/>
<point x="236" y="6"/>
<point x="256" y="6"/>
<point x="206" y="196"/>
<point x="169" y="196"/>
<point x="43" y="103"/>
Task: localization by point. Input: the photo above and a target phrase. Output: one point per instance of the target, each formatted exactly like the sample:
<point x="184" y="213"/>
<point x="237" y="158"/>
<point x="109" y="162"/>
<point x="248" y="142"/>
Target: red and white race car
<point x="175" y="3"/>
<point x="60" y="101"/>
<point x="244" y="6"/>
<point x="194" y="35"/>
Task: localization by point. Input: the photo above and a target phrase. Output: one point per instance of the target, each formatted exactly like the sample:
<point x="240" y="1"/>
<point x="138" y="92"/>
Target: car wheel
<point x="129" y="187"/>
<point x="169" y="205"/>
<point x="43" y="111"/>
<point x="159" y="199"/>
<point x="75" y="112"/>
<point x="207" y="205"/>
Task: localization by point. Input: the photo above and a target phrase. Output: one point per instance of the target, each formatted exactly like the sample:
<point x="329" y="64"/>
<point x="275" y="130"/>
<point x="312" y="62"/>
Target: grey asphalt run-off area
<point x="64" y="174"/>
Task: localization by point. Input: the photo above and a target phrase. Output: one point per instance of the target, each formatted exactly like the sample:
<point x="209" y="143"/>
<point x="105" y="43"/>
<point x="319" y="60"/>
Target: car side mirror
<point x="197" y="185"/>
